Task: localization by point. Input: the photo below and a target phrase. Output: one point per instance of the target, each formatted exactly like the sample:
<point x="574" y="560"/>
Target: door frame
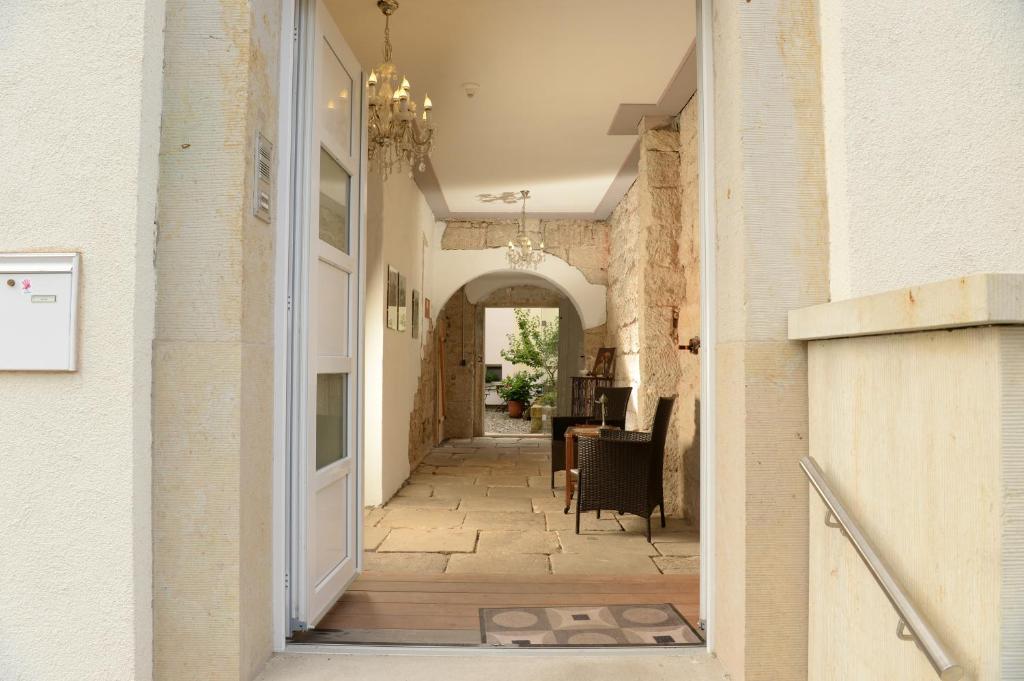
<point x="293" y="114"/>
<point x="283" y="220"/>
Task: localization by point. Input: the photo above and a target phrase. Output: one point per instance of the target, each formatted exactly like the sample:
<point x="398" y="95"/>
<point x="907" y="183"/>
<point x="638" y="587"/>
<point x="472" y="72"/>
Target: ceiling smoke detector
<point x="471" y="89"/>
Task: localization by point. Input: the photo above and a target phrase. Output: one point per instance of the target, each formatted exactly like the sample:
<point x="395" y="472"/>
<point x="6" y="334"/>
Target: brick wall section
<point x="654" y="299"/>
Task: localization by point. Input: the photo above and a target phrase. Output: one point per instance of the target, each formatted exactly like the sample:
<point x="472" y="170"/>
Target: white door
<point x="327" y="463"/>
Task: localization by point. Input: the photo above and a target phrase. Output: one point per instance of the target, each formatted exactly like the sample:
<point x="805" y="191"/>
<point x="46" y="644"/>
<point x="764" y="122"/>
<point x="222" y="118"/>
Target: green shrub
<point x="519" y="387"/>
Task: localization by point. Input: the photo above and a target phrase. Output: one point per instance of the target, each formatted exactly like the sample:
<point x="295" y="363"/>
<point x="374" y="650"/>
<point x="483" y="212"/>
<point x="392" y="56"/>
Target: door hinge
<point x="295" y="33"/>
<point x="298" y="625"/>
<point x="702" y="625"/>
<point x="289" y="302"/>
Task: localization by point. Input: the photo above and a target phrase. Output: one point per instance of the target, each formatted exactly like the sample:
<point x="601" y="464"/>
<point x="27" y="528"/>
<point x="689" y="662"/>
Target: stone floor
<point x="496" y="420"/>
<point x="486" y="506"/>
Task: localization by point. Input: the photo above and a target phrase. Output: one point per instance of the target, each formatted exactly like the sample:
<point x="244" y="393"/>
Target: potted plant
<point x="517" y="390"/>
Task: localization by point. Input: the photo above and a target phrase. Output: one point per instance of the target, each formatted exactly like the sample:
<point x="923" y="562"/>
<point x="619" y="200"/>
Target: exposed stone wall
<point x="463" y="411"/>
<point x="423" y="419"/>
<point x="522" y="296"/>
<point x="654" y="296"/>
<point x="584" y="244"/>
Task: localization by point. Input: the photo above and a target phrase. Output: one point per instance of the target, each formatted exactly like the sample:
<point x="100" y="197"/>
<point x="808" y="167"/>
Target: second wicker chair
<point x="622" y="470"/>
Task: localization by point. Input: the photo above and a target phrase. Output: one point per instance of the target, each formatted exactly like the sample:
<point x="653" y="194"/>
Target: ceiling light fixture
<point x="521" y="253"/>
<point x="398" y="137"/>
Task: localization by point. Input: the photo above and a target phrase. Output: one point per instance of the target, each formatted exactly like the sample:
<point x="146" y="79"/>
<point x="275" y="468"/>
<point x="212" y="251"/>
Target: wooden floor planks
<point x="409" y="603"/>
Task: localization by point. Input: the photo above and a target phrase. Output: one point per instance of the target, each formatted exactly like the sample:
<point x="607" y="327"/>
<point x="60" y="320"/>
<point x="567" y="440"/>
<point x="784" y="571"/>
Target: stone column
<point x="772" y="257"/>
<point x="213" y="389"/>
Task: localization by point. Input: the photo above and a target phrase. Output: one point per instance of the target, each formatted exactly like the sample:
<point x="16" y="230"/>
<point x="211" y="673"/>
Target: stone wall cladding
<point x="584" y="244"/>
<point x="422" y="428"/>
<point x="459" y="319"/>
<point x="653" y="297"/>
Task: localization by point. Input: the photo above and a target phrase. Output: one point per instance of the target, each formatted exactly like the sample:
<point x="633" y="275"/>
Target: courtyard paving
<point x="486" y="506"/>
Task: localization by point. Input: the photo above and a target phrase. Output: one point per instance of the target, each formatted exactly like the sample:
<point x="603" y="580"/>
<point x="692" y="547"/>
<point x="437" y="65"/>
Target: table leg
<point x="570" y="462"/>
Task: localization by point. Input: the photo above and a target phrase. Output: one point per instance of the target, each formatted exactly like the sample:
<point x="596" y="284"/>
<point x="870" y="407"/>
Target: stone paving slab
<point x="373" y="536"/>
<point x="503" y="480"/>
<point x="429" y="541"/>
<point x="422" y="518"/>
<point x="680" y="548"/>
<point x="411" y="563"/>
<point x="678" y="565"/>
<point x="513" y="542"/>
<point x="495" y="504"/>
<point x="423" y="502"/>
<point x="515" y="492"/>
<point x="605" y="564"/>
<point x="459" y="489"/>
<point x="503" y="520"/>
<point x="633" y="523"/>
<point x="372" y="515"/>
<point x="606" y="543"/>
<point x="476" y="563"/>
<point x="551" y="503"/>
<point x="415" y="490"/>
<point x="556" y="520"/>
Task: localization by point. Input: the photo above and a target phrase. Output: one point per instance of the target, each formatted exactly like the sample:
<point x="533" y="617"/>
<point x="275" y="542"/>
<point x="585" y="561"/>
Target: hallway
<point x="485" y="506"/>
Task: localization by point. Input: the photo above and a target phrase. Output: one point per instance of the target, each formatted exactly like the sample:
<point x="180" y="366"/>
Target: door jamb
<point x="708" y="330"/>
<point x="282" y="218"/>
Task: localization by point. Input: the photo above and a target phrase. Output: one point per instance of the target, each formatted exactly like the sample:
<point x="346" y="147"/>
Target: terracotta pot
<point x="515" y="409"/>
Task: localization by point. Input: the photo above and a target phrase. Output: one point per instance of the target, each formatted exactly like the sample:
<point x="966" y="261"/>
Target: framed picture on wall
<point x="414" y="314"/>
<point x="392" y="299"/>
<point x="604" y="363"/>
<point x="403" y="308"/>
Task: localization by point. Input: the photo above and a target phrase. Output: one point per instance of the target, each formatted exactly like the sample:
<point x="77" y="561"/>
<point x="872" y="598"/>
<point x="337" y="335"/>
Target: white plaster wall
<point x="403" y="221"/>
<point x="924" y="108"/>
<point x="80" y="88"/>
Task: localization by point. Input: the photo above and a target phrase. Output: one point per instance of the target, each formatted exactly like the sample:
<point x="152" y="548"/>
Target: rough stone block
<point x="462" y="236"/>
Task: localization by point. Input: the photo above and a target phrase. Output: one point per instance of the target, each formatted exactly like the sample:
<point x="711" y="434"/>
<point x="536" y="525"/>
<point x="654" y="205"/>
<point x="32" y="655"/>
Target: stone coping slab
<point x="975" y="300"/>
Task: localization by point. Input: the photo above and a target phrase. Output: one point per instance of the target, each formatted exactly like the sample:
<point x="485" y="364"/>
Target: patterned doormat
<point x="605" y="625"/>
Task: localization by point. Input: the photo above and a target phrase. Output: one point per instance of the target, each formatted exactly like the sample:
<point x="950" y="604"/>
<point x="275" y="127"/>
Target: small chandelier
<point x="521" y="253"/>
<point x="398" y="136"/>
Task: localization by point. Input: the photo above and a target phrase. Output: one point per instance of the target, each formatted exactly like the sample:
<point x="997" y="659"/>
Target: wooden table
<point x="571" y="433"/>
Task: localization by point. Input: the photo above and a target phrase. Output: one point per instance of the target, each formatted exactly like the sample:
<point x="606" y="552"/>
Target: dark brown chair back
<point x="662" y="417"/>
<point x="615" y="407"/>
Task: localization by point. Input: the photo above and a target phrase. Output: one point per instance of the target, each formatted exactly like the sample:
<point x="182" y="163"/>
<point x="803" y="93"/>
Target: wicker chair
<point x="615" y="415"/>
<point x="622" y="470"/>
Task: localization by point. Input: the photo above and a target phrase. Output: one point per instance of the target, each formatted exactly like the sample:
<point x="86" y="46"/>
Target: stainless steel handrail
<point x="912" y="626"/>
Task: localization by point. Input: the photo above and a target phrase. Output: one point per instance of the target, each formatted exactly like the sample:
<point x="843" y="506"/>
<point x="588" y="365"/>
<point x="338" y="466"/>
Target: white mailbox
<point x="38" y="311"/>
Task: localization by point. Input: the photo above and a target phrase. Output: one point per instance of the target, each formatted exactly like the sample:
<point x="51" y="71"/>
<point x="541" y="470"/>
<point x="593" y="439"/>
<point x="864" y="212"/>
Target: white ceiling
<point x="552" y="75"/>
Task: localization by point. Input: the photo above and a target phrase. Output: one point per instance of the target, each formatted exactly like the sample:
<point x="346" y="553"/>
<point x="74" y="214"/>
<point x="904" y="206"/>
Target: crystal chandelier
<point x="398" y="137"/>
<point x="521" y="253"/>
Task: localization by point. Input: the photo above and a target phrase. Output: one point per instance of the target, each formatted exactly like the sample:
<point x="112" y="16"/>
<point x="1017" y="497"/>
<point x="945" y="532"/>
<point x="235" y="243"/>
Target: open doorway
<point x="588" y="535"/>
<point x="520" y="370"/>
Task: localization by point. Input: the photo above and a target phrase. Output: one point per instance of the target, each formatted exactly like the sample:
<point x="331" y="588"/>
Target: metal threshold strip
<point x="912" y="626"/>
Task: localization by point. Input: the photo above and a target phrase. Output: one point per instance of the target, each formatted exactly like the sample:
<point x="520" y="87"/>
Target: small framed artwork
<point x="414" y="314"/>
<point x="604" y="363"/>
<point x="392" y="302"/>
<point x="403" y="305"/>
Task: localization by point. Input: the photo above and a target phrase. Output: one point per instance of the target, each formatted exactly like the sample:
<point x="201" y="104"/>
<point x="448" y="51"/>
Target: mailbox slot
<point x="39" y="311"/>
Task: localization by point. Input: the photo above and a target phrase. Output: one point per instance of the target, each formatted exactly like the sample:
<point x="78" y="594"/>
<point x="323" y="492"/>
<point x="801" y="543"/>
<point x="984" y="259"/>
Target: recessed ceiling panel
<point x="552" y="75"/>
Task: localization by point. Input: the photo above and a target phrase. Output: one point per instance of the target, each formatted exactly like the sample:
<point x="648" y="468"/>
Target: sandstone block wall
<point x="584" y="244"/>
<point x="654" y="299"/>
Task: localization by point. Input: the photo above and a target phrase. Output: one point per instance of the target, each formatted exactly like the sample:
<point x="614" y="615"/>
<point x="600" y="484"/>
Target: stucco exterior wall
<point x="400" y="226"/>
<point x="79" y="126"/>
<point x="213" y="390"/>
<point x="772" y="257"/>
<point x="929" y="189"/>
